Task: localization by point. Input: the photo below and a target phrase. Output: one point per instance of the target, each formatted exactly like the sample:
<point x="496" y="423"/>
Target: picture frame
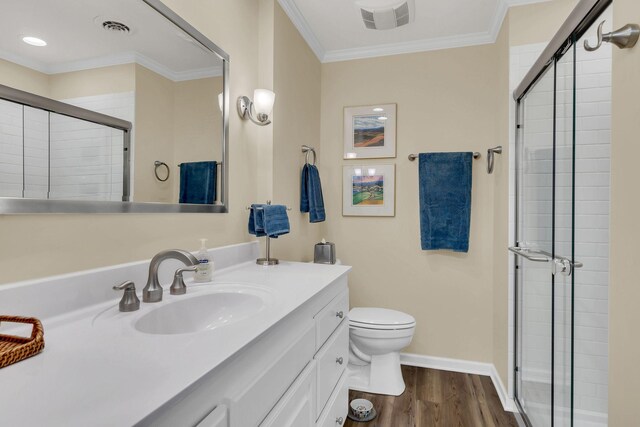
<point x="369" y="190"/>
<point x="370" y="132"/>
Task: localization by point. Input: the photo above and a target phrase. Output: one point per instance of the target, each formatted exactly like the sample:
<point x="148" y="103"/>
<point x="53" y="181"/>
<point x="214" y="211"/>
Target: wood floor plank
<point x="440" y="399"/>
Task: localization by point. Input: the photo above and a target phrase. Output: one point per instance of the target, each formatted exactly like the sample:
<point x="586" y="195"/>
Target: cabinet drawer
<point x="217" y="418"/>
<point x="296" y="408"/>
<point x="332" y="360"/>
<point x="328" y="319"/>
<point x="253" y="404"/>
<point x="335" y="414"/>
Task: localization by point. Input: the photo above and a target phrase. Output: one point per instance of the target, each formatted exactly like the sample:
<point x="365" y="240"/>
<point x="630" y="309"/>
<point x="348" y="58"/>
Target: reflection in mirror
<point x="159" y="91"/>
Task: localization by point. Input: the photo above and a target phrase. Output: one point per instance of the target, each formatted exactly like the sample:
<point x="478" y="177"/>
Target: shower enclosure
<point x="560" y="250"/>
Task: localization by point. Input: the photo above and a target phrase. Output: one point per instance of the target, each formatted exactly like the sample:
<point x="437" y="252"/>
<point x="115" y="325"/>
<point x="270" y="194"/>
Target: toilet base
<point x="382" y="376"/>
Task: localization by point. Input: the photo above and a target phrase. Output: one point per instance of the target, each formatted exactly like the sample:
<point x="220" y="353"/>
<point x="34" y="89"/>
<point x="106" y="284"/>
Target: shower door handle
<point x="564" y="265"/>
<point x="531" y="255"/>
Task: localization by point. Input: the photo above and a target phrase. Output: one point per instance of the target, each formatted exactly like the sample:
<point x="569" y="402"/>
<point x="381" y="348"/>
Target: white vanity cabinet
<point x="292" y="375"/>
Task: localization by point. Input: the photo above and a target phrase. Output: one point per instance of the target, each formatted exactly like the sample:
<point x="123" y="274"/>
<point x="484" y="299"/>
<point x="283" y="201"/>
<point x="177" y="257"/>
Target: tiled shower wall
<point x="69" y="158"/>
<point x="87" y="159"/>
<point x="592" y="170"/>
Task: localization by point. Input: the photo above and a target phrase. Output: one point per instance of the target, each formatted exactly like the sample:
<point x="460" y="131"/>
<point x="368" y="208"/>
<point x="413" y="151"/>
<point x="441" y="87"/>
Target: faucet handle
<point x="129" y="301"/>
<point x="178" y="287"/>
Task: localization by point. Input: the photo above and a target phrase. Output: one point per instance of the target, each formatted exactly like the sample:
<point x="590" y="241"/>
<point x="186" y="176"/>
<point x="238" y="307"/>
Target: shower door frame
<point x="585" y="14"/>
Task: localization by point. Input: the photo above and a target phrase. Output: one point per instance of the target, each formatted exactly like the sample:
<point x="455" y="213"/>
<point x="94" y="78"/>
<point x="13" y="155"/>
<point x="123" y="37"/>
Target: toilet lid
<point x="371" y="317"/>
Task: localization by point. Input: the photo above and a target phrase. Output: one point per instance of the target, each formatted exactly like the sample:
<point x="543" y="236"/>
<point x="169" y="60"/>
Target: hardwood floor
<point x="438" y="398"/>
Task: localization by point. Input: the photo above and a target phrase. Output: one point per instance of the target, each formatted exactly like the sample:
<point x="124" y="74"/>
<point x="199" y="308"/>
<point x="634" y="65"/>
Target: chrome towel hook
<point x="625" y="38"/>
<point x="491" y="152"/>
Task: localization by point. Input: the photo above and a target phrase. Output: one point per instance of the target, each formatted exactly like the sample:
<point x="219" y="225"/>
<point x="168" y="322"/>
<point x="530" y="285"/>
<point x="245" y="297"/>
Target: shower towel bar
<point x="218" y="163"/>
<point x="412" y="157"/>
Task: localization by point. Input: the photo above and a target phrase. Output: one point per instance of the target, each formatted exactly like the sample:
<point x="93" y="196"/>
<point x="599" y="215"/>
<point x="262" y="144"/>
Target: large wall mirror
<point x="110" y="106"/>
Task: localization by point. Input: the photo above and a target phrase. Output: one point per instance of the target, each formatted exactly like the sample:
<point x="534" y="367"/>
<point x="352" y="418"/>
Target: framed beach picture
<point x="369" y="190"/>
<point x="370" y="132"/>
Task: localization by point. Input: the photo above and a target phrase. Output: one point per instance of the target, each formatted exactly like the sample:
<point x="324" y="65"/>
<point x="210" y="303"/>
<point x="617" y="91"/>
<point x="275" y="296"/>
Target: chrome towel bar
<point x="412" y="157"/>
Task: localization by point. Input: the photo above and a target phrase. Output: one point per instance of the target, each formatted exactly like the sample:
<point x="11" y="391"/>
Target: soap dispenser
<point x="204" y="270"/>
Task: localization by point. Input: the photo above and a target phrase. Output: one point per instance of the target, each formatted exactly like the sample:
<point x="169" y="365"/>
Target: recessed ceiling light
<point x="378" y="110"/>
<point x="34" y="41"/>
<point x="383" y="118"/>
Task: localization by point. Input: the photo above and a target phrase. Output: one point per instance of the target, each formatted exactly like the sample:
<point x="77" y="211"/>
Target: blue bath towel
<point x="276" y="220"/>
<point x="445" y="200"/>
<point x="311" y="194"/>
<point x="256" y="220"/>
<point x="198" y="182"/>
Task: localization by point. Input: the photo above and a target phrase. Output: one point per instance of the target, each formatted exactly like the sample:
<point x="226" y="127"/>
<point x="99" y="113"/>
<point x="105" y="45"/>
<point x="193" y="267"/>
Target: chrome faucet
<point x="152" y="292"/>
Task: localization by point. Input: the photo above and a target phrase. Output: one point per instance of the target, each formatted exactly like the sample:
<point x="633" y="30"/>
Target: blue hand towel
<point x="276" y="220"/>
<point x="198" y="182"/>
<point x="311" y="194"/>
<point x="445" y="200"/>
<point x="256" y="220"/>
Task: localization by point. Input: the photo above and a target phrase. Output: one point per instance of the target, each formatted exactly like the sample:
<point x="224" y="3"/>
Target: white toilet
<point x="376" y="336"/>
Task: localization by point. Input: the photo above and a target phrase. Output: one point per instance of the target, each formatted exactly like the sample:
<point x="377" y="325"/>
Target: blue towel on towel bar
<point x="445" y="200"/>
<point x="256" y="220"/>
<point x="198" y="182"/>
<point x="268" y="220"/>
<point x="311" y="194"/>
<point x="276" y="220"/>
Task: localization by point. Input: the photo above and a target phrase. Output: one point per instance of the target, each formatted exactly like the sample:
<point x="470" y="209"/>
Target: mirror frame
<point x="36" y="206"/>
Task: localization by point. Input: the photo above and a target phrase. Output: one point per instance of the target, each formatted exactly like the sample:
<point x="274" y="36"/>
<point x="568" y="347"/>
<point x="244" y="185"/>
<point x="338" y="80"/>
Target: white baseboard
<point x="464" y="366"/>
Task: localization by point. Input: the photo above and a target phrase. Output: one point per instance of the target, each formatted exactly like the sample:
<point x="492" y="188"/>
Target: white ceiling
<point x="77" y="41"/>
<point x="335" y="32"/>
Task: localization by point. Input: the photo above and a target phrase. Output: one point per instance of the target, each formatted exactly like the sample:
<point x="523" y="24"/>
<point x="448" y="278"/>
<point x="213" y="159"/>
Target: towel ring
<point x="306" y="149"/>
<point x="157" y="164"/>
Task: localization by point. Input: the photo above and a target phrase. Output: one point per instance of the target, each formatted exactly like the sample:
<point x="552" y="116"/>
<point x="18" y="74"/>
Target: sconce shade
<point x="263" y="100"/>
<point x="220" y="99"/>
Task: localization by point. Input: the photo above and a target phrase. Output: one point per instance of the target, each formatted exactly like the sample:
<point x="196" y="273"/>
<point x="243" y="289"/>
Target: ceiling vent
<point x="386" y="14"/>
<point x="116" y="27"/>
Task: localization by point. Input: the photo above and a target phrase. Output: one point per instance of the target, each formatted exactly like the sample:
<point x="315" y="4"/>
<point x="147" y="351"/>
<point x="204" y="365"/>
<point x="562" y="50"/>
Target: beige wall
<point x="296" y="122"/>
<point x="624" y="292"/>
<point x="439" y="108"/>
<point x="97" y="81"/>
<point x="197" y="128"/>
<point x="154" y="136"/>
<point x="23" y="78"/>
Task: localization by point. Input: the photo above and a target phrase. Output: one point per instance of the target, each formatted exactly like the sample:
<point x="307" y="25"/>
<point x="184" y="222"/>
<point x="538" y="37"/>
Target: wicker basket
<point x="13" y="348"/>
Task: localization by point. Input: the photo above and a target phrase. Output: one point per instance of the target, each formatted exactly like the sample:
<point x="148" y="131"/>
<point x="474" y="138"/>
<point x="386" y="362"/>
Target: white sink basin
<point x="201" y="312"/>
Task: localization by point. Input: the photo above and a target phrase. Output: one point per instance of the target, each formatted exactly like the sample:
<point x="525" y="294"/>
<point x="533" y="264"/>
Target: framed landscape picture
<point x="370" y="132"/>
<point x="369" y="190"/>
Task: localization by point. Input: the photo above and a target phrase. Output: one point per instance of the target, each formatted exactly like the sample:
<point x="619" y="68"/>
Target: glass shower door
<point x="544" y="249"/>
<point x="534" y="390"/>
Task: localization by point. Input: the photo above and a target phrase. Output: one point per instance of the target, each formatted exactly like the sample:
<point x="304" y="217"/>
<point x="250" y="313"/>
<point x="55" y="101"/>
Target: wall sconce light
<point x="259" y="109"/>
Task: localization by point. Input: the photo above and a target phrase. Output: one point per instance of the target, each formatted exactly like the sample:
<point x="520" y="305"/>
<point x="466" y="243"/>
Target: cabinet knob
<point x="339" y="420"/>
<point x="339" y="360"/>
<point x="340" y="314"/>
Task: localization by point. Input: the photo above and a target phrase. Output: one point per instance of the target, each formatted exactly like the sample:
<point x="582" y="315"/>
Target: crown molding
<point x="408" y="47"/>
<point x="294" y="14"/>
<point x="112" y="60"/>
<point x="413" y="46"/>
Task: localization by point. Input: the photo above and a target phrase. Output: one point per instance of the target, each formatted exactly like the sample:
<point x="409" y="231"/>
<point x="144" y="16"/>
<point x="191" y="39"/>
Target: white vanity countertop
<point x="107" y="373"/>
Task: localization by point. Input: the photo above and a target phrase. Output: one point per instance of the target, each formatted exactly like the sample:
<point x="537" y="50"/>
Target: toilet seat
<point x="380" y="319"/>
